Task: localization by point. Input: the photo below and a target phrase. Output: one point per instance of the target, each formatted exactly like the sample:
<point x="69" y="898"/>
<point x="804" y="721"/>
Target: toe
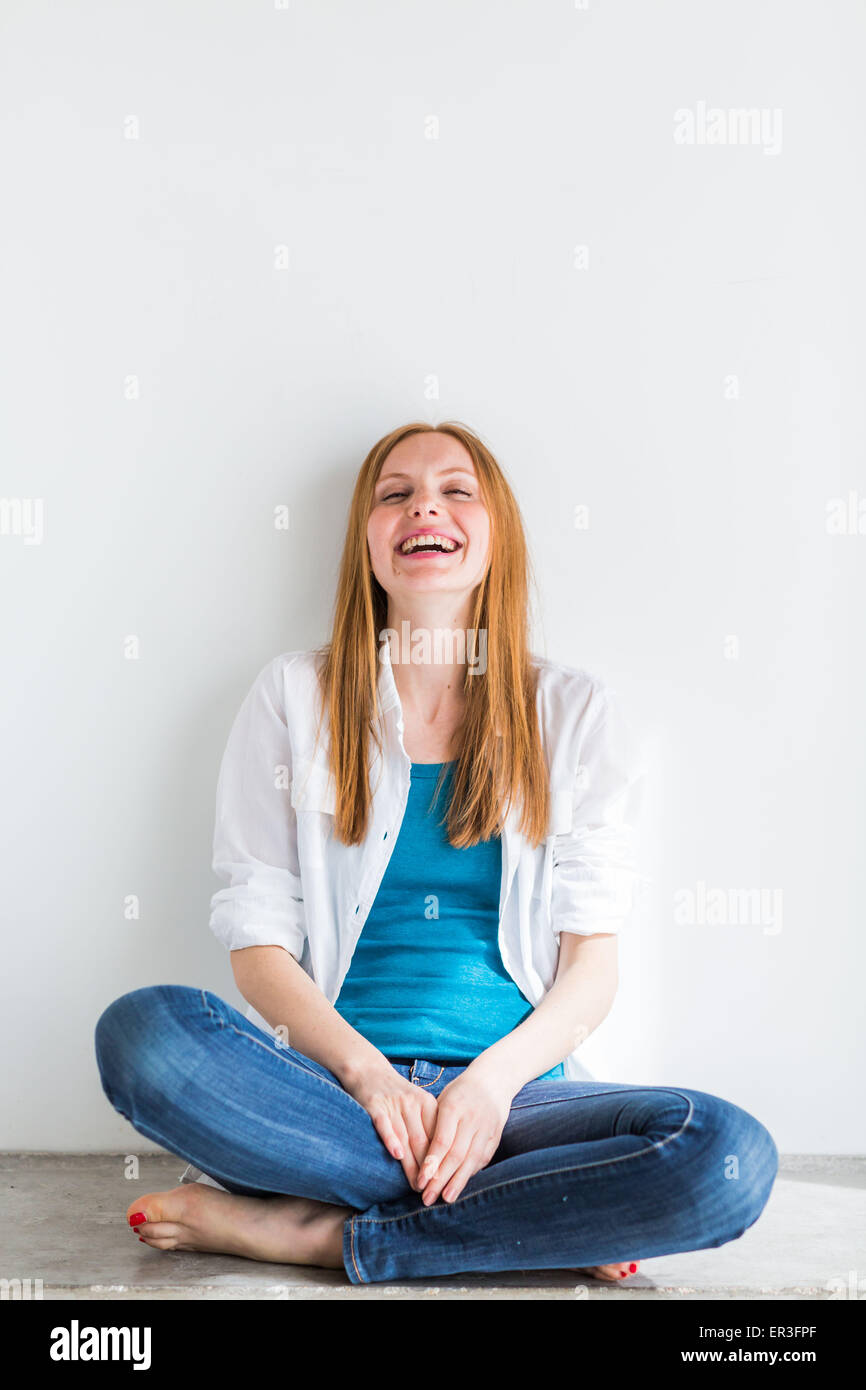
<point x="150" y="1207"/>
<point x="144" y="1208"/>
<point x="618" y="1271"/>
<point x="159" y="1230"/>
<point x="611" y="1274"/>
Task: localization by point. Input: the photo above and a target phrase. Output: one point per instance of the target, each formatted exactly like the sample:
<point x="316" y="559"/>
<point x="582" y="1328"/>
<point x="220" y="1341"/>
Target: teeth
<point x="425" y="543"/>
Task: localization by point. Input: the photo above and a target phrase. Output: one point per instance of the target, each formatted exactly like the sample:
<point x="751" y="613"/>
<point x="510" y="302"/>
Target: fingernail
<point x="137" y="1218"/>
<point x="398" y="1152"/>
<point x="632" y="1269"/>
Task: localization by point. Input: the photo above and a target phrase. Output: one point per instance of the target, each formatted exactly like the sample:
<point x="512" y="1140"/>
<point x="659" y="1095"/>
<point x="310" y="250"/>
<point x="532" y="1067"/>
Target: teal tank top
<point x="426" y="978"/>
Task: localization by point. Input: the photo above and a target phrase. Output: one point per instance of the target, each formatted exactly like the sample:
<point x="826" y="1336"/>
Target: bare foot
<point x="611" y="1273"/>
<point x="281" y="1230"/>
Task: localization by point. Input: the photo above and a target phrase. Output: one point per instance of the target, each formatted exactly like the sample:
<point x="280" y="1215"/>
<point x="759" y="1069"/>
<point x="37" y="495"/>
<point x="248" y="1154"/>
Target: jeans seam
<point x="291" y="1060"/>
<point x="550" y="1172"/>
<point x="554" y="1100"/>
<point x="557" y="1100"/>
<point x="352" y="1250"/>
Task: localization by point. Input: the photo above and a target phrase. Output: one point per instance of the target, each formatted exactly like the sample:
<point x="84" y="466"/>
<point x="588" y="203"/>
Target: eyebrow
<point x="446" y="473"/>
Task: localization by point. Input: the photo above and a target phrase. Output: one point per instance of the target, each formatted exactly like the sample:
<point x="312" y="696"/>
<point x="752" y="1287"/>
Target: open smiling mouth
<point x="428" y="546"/>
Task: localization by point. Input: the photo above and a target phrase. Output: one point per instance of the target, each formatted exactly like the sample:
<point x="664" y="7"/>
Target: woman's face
<point x="428" y="484"/>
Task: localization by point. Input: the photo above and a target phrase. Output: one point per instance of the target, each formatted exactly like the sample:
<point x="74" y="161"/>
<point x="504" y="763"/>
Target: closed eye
<point x="388" y="497"/>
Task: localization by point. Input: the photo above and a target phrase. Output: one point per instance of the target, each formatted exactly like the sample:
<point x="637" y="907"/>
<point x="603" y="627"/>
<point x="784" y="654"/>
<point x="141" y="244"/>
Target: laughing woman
<point x="427" y="852"/>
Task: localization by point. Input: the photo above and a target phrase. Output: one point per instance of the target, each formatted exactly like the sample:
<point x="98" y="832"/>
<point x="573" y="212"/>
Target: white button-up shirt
<point x="290" y="882"/>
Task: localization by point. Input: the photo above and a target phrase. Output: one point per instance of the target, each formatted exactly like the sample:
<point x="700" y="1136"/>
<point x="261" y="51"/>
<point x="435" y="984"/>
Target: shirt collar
<point x="385" y="683"/>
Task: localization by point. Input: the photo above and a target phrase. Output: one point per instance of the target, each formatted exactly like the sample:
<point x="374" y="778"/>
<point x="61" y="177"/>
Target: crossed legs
<point x="586" y="1173"/>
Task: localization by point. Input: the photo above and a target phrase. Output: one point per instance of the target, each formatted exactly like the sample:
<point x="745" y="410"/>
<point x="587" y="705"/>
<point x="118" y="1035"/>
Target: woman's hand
<point x="403" y="1114"/>
<point x="470" y="1116"/>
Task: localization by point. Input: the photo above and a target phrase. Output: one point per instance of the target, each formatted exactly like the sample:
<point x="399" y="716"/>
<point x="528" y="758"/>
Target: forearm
<point x="576" y="1003"/>
<point x="273" y="982"/>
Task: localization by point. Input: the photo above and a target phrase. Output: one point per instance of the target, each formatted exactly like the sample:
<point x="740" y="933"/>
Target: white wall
<point x="412" y="259"/>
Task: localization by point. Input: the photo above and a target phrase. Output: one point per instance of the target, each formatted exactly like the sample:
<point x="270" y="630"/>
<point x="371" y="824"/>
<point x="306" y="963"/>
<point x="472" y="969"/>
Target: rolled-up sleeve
<point x="255" y="848"/>
<point x="595" y="868"/>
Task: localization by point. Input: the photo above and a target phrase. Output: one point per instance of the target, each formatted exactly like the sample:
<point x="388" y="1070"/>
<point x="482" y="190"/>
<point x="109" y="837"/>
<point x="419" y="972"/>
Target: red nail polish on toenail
<point x="632" y="1269"/>
<point x="137" y="1218"/>
<point x="142" y="1239"/>
<point x="622" y="1273"/>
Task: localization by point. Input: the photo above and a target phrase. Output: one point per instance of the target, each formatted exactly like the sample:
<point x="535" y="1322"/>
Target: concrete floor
<point x="62" y="1221"/>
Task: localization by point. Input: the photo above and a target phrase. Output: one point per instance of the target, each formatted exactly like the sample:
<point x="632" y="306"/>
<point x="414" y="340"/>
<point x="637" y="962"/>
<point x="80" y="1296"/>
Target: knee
<point x="739" y="1163"/>
<point x="132" y="1033"/>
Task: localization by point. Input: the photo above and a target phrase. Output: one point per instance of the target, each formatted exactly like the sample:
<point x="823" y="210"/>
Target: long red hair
<point x="501" y="759"/>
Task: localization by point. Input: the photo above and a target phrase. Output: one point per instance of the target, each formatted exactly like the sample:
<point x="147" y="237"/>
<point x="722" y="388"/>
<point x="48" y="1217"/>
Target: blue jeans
<point x="586" y="1173"/>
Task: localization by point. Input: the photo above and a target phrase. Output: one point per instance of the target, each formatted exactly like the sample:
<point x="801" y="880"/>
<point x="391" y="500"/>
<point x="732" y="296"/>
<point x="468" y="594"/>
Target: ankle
<point x="330" y="1246"/>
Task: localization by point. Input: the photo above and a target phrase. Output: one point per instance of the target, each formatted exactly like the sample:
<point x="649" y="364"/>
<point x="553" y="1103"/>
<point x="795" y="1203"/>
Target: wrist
<point x="360" y="1068"/>
<point x="497" y="1071"/>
